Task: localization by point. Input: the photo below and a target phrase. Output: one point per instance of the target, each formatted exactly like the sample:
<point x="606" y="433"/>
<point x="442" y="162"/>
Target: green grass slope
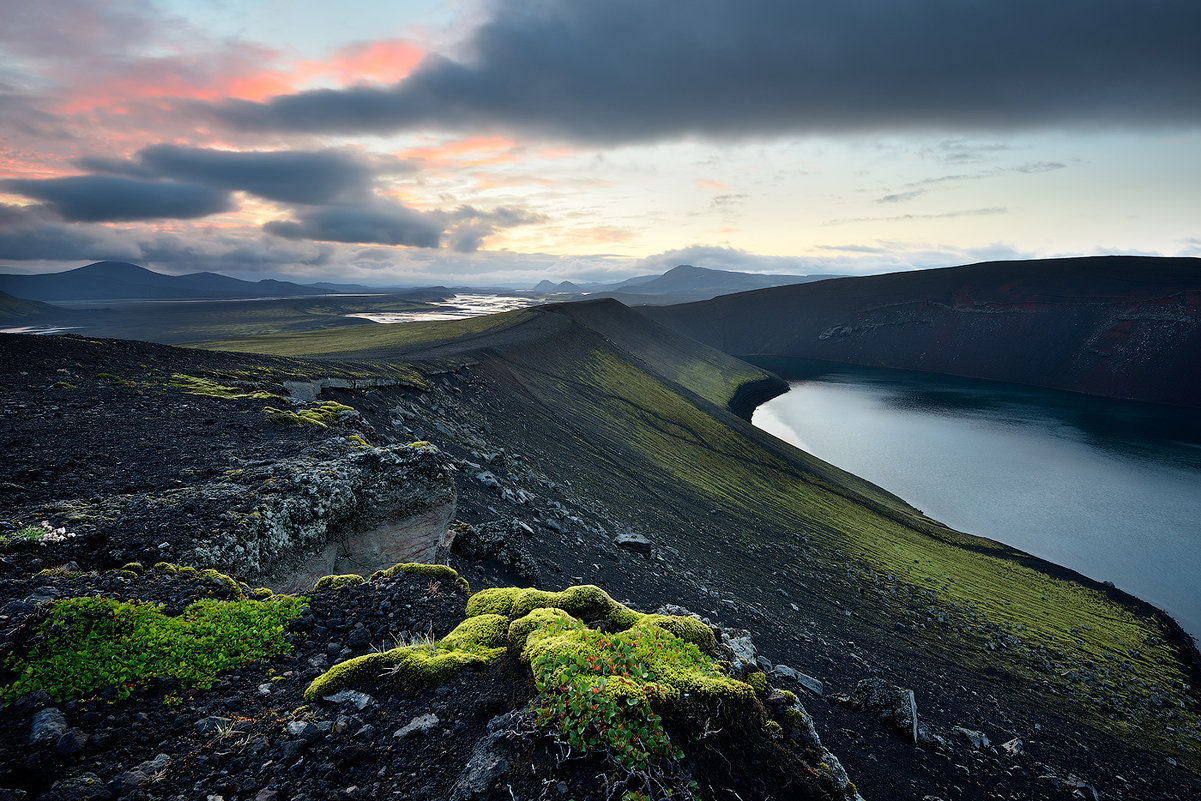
<point x="639" y="415"/>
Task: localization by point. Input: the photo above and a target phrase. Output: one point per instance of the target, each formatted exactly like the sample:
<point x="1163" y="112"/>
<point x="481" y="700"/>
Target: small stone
<point x="71" y="742"/>
<point x="266" y="795"/>
<point x="633" y="541"/>
<point x="1013" y="747"/>
<point x="48" y="725"/>
<point x="978" y="739"/>
<point x="211" y="725"/>
<point x="360" y="700"/>
<point x="418" y="725"/>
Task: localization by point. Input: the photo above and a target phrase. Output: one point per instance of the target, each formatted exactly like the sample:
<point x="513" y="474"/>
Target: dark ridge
<point x="1118" y="326"/>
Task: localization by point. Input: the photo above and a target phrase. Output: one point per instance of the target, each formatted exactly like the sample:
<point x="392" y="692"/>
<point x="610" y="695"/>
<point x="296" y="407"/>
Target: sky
<point x="501" y="142"/>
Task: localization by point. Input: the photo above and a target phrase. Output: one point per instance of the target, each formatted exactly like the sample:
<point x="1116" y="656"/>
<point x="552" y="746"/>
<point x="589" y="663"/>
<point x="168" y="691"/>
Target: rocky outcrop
<point x="356" y="513"/>
<point x="337" y="507"/>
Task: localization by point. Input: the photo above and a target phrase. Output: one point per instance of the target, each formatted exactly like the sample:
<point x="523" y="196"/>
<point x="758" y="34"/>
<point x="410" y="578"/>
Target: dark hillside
<point x="757" y="532"/>
<point x="1118" y="326"/>
<point x="580" y="444"/>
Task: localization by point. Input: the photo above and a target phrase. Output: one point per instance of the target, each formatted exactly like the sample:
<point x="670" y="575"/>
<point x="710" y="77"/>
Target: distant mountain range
<point x="118" y="280"/>
<point x="1118" y="326"/>
<point x="678" y="285"/>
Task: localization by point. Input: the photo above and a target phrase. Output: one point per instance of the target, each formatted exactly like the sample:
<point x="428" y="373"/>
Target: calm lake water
<point x="1109" y="488"/>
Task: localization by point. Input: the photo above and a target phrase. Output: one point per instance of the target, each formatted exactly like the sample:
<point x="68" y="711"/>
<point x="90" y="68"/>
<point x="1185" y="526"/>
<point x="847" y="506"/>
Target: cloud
<point x="945" y="215"/>
<point x="287" y="176"/>
<point x="378" y="223"/>
<point x="389" y="223"/>
<point x="604" y="71"/>
<point x="470" y="226"/>
<point x="901" y="197"/>
<point x="106" y="198"/>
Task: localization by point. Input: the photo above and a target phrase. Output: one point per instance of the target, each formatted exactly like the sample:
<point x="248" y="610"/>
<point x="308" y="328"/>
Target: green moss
<point x="62" y="385"/>
<point x="423" y="444"/>
<point x="319" y="414"/>
<point x="475" y="641"/>
<point x="220" y="580"/>
<point x="789" y="696"/>
<point x="282" y="418"/>
<point x="348" y="673"/>
<point x="758" y="681"/>
<point x="86" y="644"/>
<point x="416" y="568"/>
<point x="167" y="567"/>
<point x="589" y="602"/>
<point x="337" y="582"/>
<point x="203" y="386"/>
<point x="59" y="571"/>
<point x="775" y="729"/>
<point x="521" y="628"/>
<point x="133" y="567"/>
<point x="261" y="593"/>
<point x="852" y="790"/>
<point x="795" y="717"/>
<point x="358" y="441"/>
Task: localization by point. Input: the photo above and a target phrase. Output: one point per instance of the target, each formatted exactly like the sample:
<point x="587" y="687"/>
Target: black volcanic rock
<point x="1117" y="326"/>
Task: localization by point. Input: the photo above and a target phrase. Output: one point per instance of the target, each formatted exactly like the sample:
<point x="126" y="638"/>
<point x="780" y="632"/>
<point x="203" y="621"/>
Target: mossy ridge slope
<point x="659" y="430"/>
<point x="622" y="416"/>
<point x="361" y="342"/>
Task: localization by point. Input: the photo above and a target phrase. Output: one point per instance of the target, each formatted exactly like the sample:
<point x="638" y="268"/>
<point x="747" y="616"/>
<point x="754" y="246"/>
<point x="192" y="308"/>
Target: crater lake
<point x="1111" y="489"/>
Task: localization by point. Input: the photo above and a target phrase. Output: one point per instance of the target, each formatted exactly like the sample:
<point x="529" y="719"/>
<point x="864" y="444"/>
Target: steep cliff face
<point x="1117" y="326"/>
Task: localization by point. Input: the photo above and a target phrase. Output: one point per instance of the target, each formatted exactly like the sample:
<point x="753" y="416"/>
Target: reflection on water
<point x="457" y="308"/>
<point x="1109" y="488"/>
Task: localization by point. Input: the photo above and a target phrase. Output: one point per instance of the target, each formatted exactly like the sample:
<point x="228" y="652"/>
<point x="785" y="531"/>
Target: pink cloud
<point x="475" y="151"/>
<point x="709" y="183"/>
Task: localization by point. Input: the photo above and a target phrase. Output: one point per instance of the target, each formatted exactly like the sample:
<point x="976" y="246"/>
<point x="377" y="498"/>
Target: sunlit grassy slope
<point x="634" y="398"/>
<point x="364" y="339"/>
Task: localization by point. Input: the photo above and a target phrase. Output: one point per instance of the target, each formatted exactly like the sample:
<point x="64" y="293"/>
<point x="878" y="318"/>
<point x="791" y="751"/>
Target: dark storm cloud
<point x="379" y="223"/>
<point x="392" y="224"/>
<point x="288" y="176"/>
<point x="623" y="70"/>
<point x="106" y="198"/>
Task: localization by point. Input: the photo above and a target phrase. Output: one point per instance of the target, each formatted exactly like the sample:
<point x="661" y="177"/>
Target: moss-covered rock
<point x="587" y="602"/>
<point x="433" y="571"/>
<point x="337" y="582"/>
<point x="475" y="641"/>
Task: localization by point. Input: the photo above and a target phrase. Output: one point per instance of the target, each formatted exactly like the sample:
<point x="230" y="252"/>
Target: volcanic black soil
<point x="529" y="517"/>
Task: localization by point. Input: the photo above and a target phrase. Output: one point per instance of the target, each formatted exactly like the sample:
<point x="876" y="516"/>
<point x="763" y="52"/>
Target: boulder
<point x="632" y="541"/>
<point x="48" y="726"/>
<point x="892" y="702"/>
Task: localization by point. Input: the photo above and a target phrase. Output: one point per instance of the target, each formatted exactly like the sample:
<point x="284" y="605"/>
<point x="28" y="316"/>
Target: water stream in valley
<point x="1111" y="489"/>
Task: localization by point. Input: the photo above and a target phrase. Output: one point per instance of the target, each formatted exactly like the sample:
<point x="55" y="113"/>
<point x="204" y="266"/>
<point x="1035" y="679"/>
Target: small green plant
<point x="86" y="644"/>
<point x="23" y="534"/>
<point x="43" y="534"/>
<point x="62" y="385"/>
<point x="599" y="689"/>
